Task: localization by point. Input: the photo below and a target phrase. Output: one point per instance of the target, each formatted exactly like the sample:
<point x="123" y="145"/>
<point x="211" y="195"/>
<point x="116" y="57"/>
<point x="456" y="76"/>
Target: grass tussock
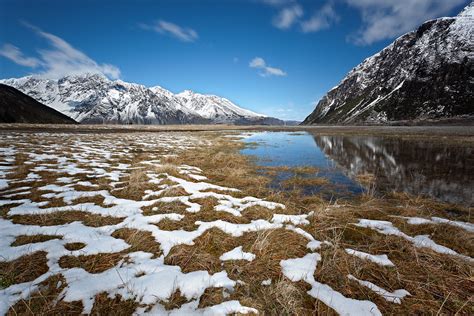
<point x="24" y="269"/>
<point x="73" y="246"/>
<point x="45" y="301"/>
<point x="91" y="263"/>
<point x="60" y="218"/>
<point x="135" y="186"/>
<point x="175" y="301"/>
<point x="138" y="240"/>
<point x="301" y="182"/>
<point x="31" y="239"/>
<point x="105" y="305"/>
<point x="165" y="208"/>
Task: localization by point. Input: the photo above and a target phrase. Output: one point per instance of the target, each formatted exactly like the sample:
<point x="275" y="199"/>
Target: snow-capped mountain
<point x="17" y="107"/>
<point x="92" y="98"/>
<point x="425" y="74"/>
<point x="214" y="108"/>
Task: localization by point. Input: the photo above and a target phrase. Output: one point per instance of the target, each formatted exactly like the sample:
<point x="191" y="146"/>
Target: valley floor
<point x="169" y="220"/>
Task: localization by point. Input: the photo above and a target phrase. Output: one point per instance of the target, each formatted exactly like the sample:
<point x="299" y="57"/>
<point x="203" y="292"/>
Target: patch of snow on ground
<point x="393" y="297"/>
<point x="237" y="254"/>
<point x="421" y="241"/>
<point x="438" y="220"/>
<point x="378" y="259"/>
<point x="302" y="269"/>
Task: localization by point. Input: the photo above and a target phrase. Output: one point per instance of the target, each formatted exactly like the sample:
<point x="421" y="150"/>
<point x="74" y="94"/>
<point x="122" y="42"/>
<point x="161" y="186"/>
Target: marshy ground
<point x="177" y="222"/>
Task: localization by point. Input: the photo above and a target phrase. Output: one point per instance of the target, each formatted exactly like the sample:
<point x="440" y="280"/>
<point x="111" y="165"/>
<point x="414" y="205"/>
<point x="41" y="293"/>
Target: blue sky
<point x="276" y="57"/>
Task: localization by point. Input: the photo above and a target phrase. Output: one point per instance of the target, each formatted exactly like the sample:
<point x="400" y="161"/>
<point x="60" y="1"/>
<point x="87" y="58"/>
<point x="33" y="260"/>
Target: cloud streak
<point x="14" y="54"/>
<point x="390" y="18"/>
<point x="59" y="59"/>
<point x="287" y="17"/>
<point x="321" y="19"/>
<point x="292" y="13"/>
<point x="167" y="28"/>
<point x="265" y="70"/>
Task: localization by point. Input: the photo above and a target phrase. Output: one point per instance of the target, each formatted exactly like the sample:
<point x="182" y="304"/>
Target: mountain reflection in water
<point x="442" y="169"/>
<point x="437" y="169"/>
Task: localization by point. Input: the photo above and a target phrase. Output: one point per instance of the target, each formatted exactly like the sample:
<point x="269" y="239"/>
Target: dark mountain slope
<point x="424" y="74"/>
<point x="17" y="107"/>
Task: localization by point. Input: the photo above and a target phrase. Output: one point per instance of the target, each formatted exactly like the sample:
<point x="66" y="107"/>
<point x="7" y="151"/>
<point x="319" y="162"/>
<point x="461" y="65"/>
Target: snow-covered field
<point x="46" y="174"/>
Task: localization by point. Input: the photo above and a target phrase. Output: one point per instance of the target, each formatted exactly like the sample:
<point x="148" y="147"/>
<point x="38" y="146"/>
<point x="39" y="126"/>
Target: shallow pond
<point x="442" y="170"/>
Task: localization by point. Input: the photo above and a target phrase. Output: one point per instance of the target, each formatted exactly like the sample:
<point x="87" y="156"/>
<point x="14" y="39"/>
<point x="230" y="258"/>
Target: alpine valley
<point x="427" y="74"/>
<point x="94" y="99"/>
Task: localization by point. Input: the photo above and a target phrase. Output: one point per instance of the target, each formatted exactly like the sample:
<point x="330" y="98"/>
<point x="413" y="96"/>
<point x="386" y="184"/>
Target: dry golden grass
<point x="135" y="186"/>
<point x="60" y="218"/>
<point x="105" y="305"/>
<point x="44" y="301"/>
<point x="24" y="269"/>
<point x="301" y="182"/>
<point x="204" y="254"/>
<point x="164" y="208"/>
<point x="175" y="301"/>
<point x="366" y="179"/>
<point x="224" y="166"/>
<point x="138" y="241"/>
<point x="212" y="296"/>
<point x="91" y="263"/>
<point x="31" y="239"/>
<point x="72" y="246"/>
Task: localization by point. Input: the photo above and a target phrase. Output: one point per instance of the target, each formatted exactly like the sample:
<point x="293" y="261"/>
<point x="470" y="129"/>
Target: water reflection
<point x="438" y="169"/>
<point x="441" y="170"/>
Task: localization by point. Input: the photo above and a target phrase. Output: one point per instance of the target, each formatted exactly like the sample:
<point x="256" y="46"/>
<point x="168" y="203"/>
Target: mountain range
<point x="426" y="74"/>
<point x="94" y="99"/>
<point x="17" y="107"/>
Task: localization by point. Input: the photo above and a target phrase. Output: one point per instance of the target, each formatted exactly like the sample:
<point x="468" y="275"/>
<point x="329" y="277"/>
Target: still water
<point x="442" y="170"/>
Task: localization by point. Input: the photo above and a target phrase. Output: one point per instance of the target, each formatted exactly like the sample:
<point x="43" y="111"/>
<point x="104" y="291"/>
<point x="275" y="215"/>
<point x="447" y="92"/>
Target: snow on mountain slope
<point x="425" y="74"/>
<point x="92" y="98"/>
<point x="214" y="108"/>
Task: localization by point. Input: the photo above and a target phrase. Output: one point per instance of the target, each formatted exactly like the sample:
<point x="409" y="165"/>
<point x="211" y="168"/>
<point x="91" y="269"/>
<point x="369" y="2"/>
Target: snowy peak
<point x="468" y="11"/>
<point x="92" y="98"/>
<point x="214" y="107"/>
<point x="424" y="74"/>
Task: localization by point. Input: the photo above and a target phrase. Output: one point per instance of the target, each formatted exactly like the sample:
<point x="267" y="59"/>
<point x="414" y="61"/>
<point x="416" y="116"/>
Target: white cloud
<point x="321" y="19"/>
<point x="391" y="18"/>
<point x="59" y="60"/>
<point x="266" y="70"/>
<point x="287" y="17"/>
<point x="257" y="62"/>
<point x="182" y="33"/>
<point x="14" y="54"/>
